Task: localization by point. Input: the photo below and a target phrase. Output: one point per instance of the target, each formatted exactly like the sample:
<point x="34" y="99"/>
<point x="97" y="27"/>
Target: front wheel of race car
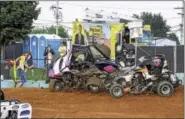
<point x="165" y="88"/>
<point x="13" y="115"/>
<point x="55" y="85"/>
<point x="116" y="91"/>
<point x="2" y="97"/>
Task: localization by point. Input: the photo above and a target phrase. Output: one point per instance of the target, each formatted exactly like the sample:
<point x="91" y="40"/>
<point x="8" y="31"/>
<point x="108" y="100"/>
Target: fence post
<point x="175" y="58"/>
<point x="135" y="52"/>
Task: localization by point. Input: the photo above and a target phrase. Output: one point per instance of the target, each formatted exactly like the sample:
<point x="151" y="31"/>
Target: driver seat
<point x="156" y="66"/>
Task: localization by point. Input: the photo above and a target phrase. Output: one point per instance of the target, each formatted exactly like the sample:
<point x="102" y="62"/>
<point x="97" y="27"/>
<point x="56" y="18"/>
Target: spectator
<point x="30" y="64"/>
<point x="48" y="56"/>
<point x="79" y="38"/>
<point x="62" y="52"/>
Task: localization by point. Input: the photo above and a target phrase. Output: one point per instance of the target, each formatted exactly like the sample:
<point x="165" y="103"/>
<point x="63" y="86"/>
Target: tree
<point x="16" y="19"/>
<point x="157" y="22"/>
<point x="174" y="37"/>
<point x="51" y="30"/>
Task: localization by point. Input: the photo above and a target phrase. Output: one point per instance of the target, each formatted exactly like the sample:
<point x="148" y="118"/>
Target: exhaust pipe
<point x="148" y="85"/>
<point x="126" y="90"/>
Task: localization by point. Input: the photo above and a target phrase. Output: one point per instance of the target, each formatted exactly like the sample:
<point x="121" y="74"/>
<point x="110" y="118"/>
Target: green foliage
<point x="174" y="37"/>
<point x="16" y="19"/>
<point x="158" y="24"/>
<point x="51" y="30"/>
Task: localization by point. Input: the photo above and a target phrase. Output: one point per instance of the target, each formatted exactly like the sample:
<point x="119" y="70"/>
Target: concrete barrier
<point x="39" y="84"/>
<point x="33" y="84"/>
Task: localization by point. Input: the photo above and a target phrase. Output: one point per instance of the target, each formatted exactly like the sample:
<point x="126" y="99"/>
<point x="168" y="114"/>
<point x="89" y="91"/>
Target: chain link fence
<point x="35" y="74"/>
<point x="169" y="52"/>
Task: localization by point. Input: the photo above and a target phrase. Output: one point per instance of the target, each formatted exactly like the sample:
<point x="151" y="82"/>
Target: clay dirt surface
<point x="81" y="104"/>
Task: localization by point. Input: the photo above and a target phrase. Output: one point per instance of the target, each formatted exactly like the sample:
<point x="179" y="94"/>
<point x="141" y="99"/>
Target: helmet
<point x="80" y="57"/>
<point x="118" y="49"/>
<point x="126" y="25"/>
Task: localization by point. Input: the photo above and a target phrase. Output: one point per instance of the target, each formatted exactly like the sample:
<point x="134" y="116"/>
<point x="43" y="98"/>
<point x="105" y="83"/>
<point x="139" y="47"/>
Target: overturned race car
<point x="93" y="72"/>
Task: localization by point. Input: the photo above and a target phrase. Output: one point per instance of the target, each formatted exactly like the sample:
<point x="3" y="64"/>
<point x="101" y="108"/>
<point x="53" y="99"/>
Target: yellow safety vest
<point x="22" y="62"/>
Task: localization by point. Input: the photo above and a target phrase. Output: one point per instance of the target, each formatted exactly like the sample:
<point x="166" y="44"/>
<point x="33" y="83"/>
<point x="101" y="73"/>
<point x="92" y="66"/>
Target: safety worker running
<point x="22" y="66"/>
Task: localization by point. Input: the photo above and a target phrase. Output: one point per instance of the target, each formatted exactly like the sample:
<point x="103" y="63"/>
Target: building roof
<point x="51" y="36"/>
<point x="163" y="42"/>
<point x="47" y="36"/>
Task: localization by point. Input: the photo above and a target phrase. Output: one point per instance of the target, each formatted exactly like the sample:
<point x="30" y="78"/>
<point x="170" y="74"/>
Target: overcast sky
<point x="75" y="9"/>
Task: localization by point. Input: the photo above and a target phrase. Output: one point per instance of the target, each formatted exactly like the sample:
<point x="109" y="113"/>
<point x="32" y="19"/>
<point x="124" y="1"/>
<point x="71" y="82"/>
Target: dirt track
<point x="83" y="104"/>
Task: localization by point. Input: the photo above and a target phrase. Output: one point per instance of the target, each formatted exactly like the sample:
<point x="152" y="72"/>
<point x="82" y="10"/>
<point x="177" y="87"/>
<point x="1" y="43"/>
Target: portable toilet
<point x="41" y="50"/>
<point x="54" y="41"/>
<point x="34" y="48"/>
<point x="44" y="41"/>
<point x="26" y="43"/>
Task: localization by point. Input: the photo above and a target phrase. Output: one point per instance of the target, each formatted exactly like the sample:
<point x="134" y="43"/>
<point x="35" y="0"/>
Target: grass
<point x="34" y="74"/>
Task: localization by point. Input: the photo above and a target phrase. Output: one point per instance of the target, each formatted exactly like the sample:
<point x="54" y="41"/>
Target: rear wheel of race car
<point x="116" y="91"/>
<point x="165" y="88"/>
<point x="93" y="88"/>
<point x="55" y="85"/>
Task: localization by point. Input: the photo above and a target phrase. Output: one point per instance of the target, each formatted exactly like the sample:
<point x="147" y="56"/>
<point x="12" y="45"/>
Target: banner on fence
<point x="115" y="29"/>
<point x="95" y="31"/>
<point x="147" y="28"/>
<point x="136" y="32"/>
<point x="75" y="31"/>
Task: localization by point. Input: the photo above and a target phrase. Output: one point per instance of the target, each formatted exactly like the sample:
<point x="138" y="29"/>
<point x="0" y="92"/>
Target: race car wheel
<point x="55" y="86"/>
<point x="58" y="86"/>
<point x="13" y="115"/>
<point x="94" y="88"/>
<point x="165" y="88"/>
<point x="116" y="91"/>
<point x="2" y="97"/>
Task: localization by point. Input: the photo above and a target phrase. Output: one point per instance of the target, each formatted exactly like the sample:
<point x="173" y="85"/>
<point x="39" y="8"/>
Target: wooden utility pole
<point x="57" y="14"/>
<point x="181" y="36"/>
<point x="182" y="24"/>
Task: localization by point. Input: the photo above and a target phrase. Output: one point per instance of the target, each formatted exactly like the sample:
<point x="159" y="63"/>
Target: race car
<point x="14" y="109"/>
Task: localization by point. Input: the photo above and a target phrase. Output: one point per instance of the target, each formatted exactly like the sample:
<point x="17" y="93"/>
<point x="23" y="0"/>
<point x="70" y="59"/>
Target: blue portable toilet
<point x="44" y="41"/>
<point x="34" y="48"/>
<point x="54" y="41"/>
<point x="26" y="43"/>
<point x="42" y="45"/>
